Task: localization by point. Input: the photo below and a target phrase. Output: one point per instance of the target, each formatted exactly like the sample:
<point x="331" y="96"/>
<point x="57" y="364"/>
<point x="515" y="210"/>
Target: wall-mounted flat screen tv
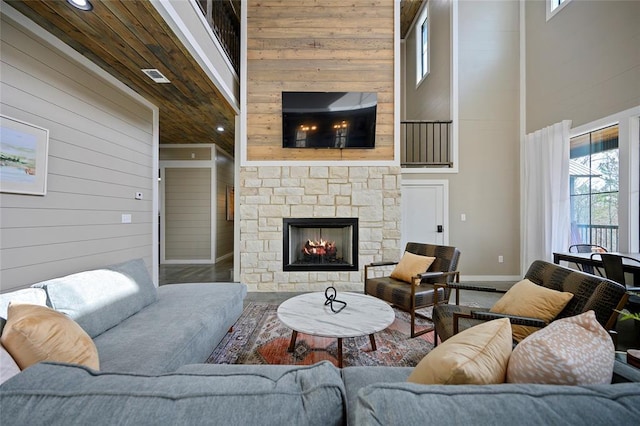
<point x="329" y="119"/>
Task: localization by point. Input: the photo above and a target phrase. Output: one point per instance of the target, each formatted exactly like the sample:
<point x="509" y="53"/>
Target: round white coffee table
<point x="307" y="313"/>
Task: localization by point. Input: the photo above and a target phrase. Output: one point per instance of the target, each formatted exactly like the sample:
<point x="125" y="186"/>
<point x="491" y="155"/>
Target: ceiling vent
<point x="156" y="75"/>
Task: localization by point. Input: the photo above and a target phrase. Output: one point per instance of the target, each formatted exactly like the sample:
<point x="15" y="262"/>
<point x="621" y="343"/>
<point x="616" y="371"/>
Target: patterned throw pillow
<point x="411" y="265"/>
<point x="569" y="351"/>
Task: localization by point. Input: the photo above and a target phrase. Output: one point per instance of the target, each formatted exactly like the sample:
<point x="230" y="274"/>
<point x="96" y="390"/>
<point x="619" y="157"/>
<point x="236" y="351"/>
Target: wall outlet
<point x="126" y="218"/>
<point x="500" y="259"/>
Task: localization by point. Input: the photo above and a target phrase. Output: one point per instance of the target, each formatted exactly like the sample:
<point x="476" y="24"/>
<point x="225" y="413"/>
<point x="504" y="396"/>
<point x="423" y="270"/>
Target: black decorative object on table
<point x="330" y="293"/>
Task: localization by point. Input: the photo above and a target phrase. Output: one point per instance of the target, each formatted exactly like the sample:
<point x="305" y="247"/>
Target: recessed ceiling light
<point x="220" y="129"/>
<point x="156" y="75"/>
<point x="81" y="4"/>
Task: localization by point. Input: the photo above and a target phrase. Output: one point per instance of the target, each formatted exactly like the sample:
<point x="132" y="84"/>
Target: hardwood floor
<point x="196" y="273"/>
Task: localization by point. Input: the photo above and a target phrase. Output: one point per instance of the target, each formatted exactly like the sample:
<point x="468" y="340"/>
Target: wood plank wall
<point x="317" y="45"/>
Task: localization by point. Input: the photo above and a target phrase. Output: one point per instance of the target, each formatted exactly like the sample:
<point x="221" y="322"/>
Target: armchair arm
<point x="486" y="316"/>
<point x="514" y="319"/>
<point x="374" y="264"/>
<point x="457" y="286"/>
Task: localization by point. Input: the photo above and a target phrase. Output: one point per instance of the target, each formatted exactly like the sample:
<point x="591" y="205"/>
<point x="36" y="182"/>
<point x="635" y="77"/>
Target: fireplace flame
<point x="319" y="248"/>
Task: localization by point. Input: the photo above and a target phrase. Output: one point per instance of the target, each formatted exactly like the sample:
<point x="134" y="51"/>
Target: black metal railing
<point x="425" y="143"/>
<point x="224" y="20"/>
<point x="602" y="235"/>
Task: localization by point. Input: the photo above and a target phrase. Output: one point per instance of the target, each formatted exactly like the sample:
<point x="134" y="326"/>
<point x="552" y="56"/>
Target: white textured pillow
<point x="32" y="296"/>
<point x="569" y="351"/>
<point x="8" y="366"/>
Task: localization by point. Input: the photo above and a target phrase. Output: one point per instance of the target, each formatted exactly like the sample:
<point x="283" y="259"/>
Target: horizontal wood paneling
<point x="100" y="155"/>
<point x="187" y="210"/>
<point x="317" y="46"/>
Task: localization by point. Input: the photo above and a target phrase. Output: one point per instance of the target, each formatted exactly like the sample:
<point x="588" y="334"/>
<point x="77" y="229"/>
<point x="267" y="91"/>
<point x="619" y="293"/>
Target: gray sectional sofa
<point x="152" y="343"/>
<point x="135" y="326"/>
<point x="321" y="394"/>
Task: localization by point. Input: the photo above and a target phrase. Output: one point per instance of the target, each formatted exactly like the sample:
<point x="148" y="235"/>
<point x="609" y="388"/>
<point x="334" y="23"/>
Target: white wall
<point x="486" y="188"/>
<point x="431" y="99"/>
<point x="583" y="64"/>
<point x="100" y="154"/>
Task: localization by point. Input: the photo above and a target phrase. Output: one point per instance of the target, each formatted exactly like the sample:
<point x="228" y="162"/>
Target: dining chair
<point x="614" y="270"/>
<point x="587" y="248"/>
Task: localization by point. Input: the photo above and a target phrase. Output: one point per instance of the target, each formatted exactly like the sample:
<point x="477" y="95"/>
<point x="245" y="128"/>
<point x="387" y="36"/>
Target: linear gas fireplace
<point x="320" y="244"/>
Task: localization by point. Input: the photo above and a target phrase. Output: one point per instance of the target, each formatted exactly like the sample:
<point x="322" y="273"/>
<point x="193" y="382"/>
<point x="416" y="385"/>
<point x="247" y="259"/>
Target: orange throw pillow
<point x="411" y="265"/>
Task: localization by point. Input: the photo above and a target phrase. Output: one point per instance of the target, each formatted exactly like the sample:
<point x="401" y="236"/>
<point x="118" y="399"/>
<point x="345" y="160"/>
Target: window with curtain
<point x="594" y="188"/>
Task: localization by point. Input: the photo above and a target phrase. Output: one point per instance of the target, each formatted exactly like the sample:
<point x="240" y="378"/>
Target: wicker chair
<point x="420" y="292"/>
<point x="590" y="292"/>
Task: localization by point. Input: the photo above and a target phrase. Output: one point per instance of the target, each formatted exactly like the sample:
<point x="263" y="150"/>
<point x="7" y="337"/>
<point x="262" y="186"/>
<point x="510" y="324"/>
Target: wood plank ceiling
<point x="123" y="37"/>
<point x="408" y="11"/>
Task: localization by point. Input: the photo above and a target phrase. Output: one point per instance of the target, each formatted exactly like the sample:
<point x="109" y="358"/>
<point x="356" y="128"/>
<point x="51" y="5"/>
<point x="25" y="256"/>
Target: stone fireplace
<point x="320" y="244"/>
<point x="270" y="194"/>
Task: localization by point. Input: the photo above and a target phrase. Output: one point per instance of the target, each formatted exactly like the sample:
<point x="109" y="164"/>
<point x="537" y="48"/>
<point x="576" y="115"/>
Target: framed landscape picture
<point x="23" y="157"/>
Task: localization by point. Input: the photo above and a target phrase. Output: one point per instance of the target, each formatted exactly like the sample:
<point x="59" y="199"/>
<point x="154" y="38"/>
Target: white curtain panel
<point x="546" y="208"/>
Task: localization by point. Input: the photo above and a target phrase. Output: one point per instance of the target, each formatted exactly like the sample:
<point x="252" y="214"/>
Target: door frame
<point x="430" y="183"/>
<point x="186" y="164"/>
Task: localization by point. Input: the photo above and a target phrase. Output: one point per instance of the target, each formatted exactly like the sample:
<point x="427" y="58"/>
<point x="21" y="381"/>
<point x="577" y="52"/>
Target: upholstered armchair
<point x="418" y="291"/>
<point x="590" y="292"/>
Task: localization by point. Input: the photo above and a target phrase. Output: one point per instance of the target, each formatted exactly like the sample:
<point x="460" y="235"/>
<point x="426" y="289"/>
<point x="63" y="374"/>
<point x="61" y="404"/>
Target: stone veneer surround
<point x="270" y="193"/>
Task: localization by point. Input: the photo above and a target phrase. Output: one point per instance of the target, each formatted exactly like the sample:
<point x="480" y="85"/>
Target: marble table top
<point x="363" y="315"/>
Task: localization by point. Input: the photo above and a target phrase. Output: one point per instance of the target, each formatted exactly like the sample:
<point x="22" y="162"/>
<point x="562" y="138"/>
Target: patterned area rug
<point x="260" y="338"/>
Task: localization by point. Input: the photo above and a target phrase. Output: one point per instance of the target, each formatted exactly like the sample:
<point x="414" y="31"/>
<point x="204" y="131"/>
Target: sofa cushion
<point x="503" y="404"/>
<point x="569" y="351"/>
<point x="36" y="333"/>
<point x="527" y="299"/>
<point x="58" y="394"/>
<point x="355" y="378"/>
<point x="183" y="327"/>
<point x="101" y="298"/>
<point x="478" y="355"/>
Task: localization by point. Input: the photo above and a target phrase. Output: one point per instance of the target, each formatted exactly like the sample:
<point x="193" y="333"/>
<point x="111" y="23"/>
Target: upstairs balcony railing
<point x="425" y="143"/>
<point x="602" y="235"/>
<point x="224" y="20"/>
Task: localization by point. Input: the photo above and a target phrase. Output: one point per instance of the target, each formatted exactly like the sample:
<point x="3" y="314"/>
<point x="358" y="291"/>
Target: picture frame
<point x="23" y="157"/>
<point x="230" y="202"/>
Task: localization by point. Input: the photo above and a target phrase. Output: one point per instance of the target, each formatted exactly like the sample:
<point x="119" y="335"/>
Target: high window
<point x="594" y="188"/>
<point x="422" y="45"/>
<point x="554" y="6"/>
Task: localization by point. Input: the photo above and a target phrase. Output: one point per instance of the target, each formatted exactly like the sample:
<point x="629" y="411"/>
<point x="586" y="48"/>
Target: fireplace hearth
<point x="320" y="244"/>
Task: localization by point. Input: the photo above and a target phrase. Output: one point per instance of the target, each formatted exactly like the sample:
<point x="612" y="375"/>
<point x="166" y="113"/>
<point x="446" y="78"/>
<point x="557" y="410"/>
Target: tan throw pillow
<point x="569" y="351"/>
<point x="527" y="299"/>
<point x="476" y="356"/>
<point x="411" y="265"/>
<point x="38" y="333"/>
